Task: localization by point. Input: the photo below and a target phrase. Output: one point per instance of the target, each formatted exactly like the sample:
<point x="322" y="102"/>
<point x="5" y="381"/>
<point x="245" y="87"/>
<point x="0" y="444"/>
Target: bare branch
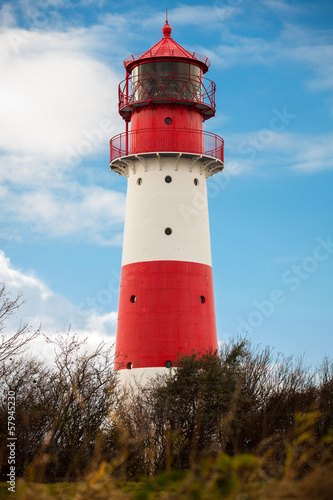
<point x="18" y="342"/>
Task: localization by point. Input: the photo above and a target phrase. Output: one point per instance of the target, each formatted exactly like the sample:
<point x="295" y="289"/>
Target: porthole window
<point x="202" y="299"/>
<point x="196" y="182"/>
<point x="139" y="181"/>
<point x="168" y="121"/>
<point x="168" y="179"/>
<point x="168" y="231"/>
<point x="133" y="298"/>
<point x="129" y="366"/>
<point x="168" y="364"/>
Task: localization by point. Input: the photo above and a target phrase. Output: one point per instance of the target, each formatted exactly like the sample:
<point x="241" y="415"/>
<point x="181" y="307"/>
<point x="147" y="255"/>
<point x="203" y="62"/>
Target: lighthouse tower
<point x="166" y="301"/>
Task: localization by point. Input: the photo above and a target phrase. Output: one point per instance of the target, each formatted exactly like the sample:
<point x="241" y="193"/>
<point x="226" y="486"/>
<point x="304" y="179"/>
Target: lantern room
<point x="166" y="73"/>
<point x="165" y="98"/>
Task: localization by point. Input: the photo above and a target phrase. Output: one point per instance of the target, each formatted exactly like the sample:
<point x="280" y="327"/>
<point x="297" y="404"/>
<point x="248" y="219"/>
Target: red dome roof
<point x="167" y="48"/>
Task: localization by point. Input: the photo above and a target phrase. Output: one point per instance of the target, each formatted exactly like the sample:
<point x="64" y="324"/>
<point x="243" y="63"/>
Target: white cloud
<point x="243" y="50"/>
<point x="303" y="153"/>
<point x="7" y="15"/>
<point x="90" y="213"/>
<point x="309" y="48"/>
<point x="53" y="312"/>
<point x="284" y="8"/>
<point x="58" y="105"/>
<point x="320" y="59"/>
<point x="199" y="14"/>
<point x="102" y="323"/>
<point x="315" y="153"/>
<point x="16" y="280"/>
<point x="51" y="92"/>
<point x="264" y="149"/>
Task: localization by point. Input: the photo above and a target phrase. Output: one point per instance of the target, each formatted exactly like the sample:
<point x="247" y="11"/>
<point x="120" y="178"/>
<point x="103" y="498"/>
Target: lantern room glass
<point x="166" y="80"/>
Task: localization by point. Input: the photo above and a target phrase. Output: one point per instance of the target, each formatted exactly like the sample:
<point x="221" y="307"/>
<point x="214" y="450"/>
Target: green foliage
<point x="193" y="404"/>
<point x="211" y="480"/>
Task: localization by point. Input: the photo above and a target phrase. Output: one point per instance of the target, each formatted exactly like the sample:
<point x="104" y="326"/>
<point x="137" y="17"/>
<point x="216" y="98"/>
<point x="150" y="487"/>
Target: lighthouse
<point x="166" y="298"/>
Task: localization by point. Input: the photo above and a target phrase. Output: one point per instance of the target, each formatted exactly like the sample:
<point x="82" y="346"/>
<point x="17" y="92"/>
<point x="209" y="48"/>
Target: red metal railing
<point x="195" y="55"/>
<point x="160" y="140"/>
<point x="136" y="90"/>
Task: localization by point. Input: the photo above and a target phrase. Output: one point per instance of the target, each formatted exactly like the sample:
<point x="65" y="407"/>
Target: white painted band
<point x="142" y="376"/>
<point x="153" y="205"/>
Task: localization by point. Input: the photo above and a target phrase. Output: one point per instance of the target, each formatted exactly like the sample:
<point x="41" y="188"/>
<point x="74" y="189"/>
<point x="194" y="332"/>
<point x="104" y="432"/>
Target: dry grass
<point x="306" y="474"/>
<point x="317" y="485"/>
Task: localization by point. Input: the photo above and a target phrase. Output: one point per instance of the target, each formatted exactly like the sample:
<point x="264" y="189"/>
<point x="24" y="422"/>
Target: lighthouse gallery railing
<point x="125" y="144"/>
<point x="167" y="86"/>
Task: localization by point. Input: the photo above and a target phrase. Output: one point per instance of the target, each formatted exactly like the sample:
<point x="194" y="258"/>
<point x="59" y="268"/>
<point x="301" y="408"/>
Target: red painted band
<point x="166" y="309"/>
<point x="150" y="132"/>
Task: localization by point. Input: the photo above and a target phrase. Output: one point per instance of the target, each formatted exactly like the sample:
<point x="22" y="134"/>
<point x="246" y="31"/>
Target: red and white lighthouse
<point x="166" y="301"/>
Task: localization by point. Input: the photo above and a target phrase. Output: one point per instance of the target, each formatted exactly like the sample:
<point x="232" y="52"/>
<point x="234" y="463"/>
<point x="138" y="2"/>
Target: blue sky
<point x="271" y="218"/>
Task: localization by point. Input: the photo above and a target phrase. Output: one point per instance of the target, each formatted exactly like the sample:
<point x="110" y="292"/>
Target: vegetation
<point x="239" y="424"/>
